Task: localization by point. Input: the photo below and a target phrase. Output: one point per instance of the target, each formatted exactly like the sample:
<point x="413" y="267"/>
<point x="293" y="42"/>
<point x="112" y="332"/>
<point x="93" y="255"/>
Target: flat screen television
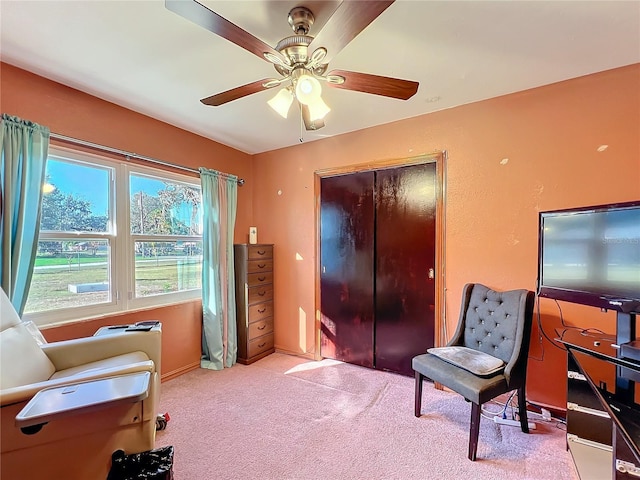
<point x="591" y="256"/>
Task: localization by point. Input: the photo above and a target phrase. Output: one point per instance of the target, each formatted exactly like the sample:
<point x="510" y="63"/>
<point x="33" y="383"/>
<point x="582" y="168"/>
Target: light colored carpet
<point x="285" y="417"/>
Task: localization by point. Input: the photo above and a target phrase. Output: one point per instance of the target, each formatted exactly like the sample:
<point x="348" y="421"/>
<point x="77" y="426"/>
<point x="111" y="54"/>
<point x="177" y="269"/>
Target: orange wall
<point x="508" y="158"/>
<point x="549" y="135"/>
<point x="75" y="114"/>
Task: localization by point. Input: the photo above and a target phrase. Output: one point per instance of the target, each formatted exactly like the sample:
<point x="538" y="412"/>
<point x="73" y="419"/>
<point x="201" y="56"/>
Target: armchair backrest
<point x="22" y="361"/>
<point x="497" y="323"/>
<point x="8" y="315"/>
<point x="491" y="321"/>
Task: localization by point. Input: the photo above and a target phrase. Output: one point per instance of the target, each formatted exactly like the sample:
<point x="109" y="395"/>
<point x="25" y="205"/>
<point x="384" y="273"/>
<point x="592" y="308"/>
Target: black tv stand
<point x="603" y="413"/>
<point x="625" y="327"/>
<point x="625" y="334"/>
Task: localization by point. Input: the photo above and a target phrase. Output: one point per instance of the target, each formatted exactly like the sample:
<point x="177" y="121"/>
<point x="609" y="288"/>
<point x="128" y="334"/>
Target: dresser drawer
<point x="254" y="301"/>
<point x="259" y="278"/>
<point x="257" y="252"/>
<point x="260" y="344"/>
<point x="259" y="266"/>
<point x="261" y="327"/>
<point x="261" y="293"/>
<point x="260" y="310"/>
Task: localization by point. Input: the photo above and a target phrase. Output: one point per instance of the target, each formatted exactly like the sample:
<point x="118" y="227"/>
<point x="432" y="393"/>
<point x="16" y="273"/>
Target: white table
<point x="59" y="402"/>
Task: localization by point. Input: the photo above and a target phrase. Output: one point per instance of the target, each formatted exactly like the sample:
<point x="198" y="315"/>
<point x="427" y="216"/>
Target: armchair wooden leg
<point x="522" y="409"/>
<point x="474" y="430"/>
<point x="418" y="401"/>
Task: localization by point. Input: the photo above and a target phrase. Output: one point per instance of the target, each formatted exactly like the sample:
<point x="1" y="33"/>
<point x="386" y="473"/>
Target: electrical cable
<point x="489" y="414"/>
<point x="582" y="330"/>
<point x="553" y="342"/>
<point x="539" y="328"/>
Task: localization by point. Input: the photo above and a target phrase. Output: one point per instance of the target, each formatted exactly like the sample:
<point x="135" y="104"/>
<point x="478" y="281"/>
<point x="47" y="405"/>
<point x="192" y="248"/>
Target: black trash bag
<point x="152" y="465"/>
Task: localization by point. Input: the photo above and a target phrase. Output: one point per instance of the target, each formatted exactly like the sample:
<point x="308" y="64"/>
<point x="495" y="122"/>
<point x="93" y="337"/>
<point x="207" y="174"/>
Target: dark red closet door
<point x="405" y="263"/>
<point x="347" y="267"/>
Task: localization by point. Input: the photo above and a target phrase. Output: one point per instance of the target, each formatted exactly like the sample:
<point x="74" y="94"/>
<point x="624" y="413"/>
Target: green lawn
<point x="50" y="286"/>
<point x="72" y="258"/>
<point x="75" y="259"/>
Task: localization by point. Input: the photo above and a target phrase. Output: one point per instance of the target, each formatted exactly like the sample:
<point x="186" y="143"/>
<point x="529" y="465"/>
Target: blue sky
<point x="88" y="183"/>
<point x="91" y="184"/>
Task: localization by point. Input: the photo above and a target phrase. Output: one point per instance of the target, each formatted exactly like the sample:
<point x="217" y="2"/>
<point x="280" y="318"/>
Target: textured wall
<point x="72" y="113"/>
<point x="508" y="158"/>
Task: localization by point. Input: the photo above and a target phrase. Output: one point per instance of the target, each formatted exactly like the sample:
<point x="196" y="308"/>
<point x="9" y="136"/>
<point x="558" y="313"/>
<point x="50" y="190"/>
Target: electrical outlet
<point x="546" y="414"/>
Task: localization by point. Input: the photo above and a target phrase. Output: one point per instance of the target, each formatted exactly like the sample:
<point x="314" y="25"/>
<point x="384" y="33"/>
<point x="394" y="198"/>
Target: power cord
<point x="510" y="403"/>
<point x="543" y="334"/>
<point x="582" y="330"/>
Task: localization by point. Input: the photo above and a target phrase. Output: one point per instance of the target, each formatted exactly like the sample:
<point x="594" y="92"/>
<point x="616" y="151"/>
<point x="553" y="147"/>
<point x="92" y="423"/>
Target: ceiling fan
<point x="302" y="60"/>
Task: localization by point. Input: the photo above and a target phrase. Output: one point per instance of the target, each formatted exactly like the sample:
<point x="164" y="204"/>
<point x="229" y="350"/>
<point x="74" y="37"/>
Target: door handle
<point x="431" y="274"/>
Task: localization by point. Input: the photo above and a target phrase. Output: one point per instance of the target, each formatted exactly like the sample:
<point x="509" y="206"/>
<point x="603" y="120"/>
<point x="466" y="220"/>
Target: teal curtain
<point x="24" y="158"/>
<point x="219" y="333"/>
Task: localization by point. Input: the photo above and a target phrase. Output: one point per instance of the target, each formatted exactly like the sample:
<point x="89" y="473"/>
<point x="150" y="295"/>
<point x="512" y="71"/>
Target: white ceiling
<point x="140" y="55"/>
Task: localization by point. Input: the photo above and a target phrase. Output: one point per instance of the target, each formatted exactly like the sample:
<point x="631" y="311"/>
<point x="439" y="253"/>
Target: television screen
<point x="591" y="256"/>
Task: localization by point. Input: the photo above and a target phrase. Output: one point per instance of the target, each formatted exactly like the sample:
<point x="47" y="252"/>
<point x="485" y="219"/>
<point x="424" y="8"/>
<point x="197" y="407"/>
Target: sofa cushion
<point x="474" y="361"/>
<point x="22" y="361"/>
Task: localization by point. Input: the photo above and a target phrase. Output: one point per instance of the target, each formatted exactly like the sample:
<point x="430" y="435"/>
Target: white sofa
<point x="79" y="445"/>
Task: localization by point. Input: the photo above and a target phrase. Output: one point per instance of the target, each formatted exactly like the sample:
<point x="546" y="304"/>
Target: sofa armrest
<point x="24" y="393"/>
<point x="71" y="353"/>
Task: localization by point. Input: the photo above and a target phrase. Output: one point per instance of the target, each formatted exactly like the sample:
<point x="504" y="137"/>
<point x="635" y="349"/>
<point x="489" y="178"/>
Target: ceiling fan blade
<point x="375" y="84"/>
<point x="349" y="19"/>
<point x="201" y="15"/>
<point x="238" y="92"/>
<point x="310" y="125"/>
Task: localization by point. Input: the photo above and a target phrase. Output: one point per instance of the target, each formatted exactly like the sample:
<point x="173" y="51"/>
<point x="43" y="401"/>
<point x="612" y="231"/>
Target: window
<point x="166" y="231"/>
<point x="113" y="237"/>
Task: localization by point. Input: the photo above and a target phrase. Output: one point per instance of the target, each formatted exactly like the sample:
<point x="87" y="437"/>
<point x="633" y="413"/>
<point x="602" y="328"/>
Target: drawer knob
<point x="262" y="327"/>
<point x="262" y="266"/>
<point x="262" y="294"/>
<point x="262" y="345"/>
<point x="262" y="279"/>
<point x="261" y="252"/>
<point x="263" y="310"/>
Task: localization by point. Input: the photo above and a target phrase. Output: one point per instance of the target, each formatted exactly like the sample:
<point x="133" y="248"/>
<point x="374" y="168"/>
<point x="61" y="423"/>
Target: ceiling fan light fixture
<point x="318" y="110"/>
<point x="308" y="89"/>
<point x="282" y="102"/>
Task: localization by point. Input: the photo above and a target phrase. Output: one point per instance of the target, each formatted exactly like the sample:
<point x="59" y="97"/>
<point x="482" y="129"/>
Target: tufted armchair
<point x="487" y="355"/>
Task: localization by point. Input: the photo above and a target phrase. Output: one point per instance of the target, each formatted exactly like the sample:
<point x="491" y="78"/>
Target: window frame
<point x="132" y="238"/>
<point x="121" y="269"/>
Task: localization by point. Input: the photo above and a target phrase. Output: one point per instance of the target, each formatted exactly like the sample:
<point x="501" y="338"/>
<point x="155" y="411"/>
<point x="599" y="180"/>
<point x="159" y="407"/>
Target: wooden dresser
<point x="254" y="301"/>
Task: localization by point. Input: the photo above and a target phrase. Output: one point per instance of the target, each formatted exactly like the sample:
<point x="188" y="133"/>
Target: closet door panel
<point x="347" y="268"/>
<point x="405" y="246"/>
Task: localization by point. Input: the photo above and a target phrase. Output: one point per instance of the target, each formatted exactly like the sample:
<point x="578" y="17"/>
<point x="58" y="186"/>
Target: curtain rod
<point x="96" y="146"/>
